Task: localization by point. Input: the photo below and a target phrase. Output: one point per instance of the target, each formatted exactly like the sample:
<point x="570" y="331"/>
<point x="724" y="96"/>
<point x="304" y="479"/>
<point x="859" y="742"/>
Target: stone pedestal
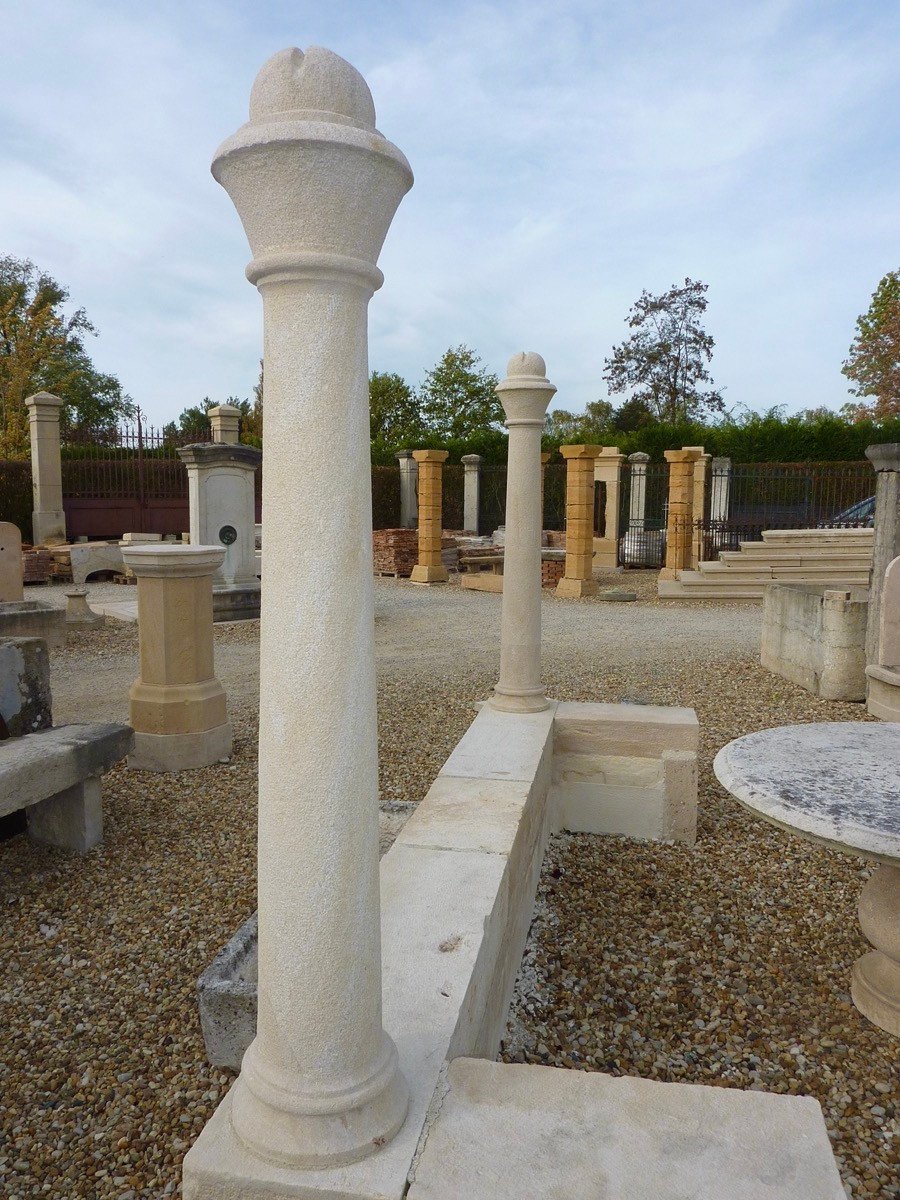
<point x="409" y="480"/>
<point x="524" y="394"/>
<point x="471" y="491"/>
<point x="680" y="525"/>
<point x="883" y="676"/>
<point x="316" y="187"/>
<point x="429" y="568"/>
<point x="608" y="471"/>
<point x="177" y="705"/>
<point x="11" y="588"/>
<point x="225" y="420"/>
<point x="886" y="461"/>
<point x="48" y="519"/>
<point x="875" y="983"/>
<point x="79" y="614"/>
<point x="221" y="490"/>
<point x="578" y="579"/>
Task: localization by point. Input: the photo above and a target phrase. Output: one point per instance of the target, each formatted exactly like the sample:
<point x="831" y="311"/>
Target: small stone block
<point x="617" y="596"/>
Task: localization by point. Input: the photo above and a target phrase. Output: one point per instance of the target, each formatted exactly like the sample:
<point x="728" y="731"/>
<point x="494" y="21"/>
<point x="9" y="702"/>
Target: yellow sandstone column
<point x="430" y="568"/>
<point x="608" y="470"/>
<point x="578" y="579"/>
<point x="701" y="471"/>
<point x="679" y="528"/>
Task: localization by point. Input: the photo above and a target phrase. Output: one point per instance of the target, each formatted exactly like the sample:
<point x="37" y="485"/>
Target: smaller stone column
<point x="578" y="579"/>
<point x="48" y="519"/>
<point x="409" y="478"/>
<point x="177" y="705"/>
<point x="430" y="568"/>
<point x="698" y="505"/>
<point x="886" y="461"/>
<point x="226" y="424"/>
<point x="11" y="589"/>
<point x="637" y="490"/>
<point x="524" y="394"/>
<point x="679" y="528"/>
<point x="471" y="491"/>
<point x="79" y="614"/>
<point x="608" y="471"/>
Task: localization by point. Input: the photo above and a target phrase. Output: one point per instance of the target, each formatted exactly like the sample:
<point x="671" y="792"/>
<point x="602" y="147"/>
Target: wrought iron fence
<point x="643" y="505"/>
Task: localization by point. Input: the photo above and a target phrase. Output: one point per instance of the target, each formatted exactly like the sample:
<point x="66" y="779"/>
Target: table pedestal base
<point x="876" y="976"/>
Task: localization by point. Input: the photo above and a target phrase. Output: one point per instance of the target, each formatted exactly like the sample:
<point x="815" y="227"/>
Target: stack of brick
<point x="37" y="564"/>
<point x="552" y="571"/>
<point x="395" y="551"/>
<point x="61" y="569"/>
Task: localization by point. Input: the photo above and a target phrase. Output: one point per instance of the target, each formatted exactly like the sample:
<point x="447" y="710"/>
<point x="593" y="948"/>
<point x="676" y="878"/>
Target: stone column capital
<point x="639" y="458"/>
<point x="470" y="461"/>
<point x="685" y="455"/>
<point x="884" y="457"/>
<point x="585" y="451"/>
<point x="721" y="463"/>
<point x="157" y="561"/>
<point x="219" y="454"/>
<point x="404" y="456"/>
<point x="432" y="456"/>
<point x="44" y="402"/>
<point x="225" y="420"/>
<point x="526" y="391"/>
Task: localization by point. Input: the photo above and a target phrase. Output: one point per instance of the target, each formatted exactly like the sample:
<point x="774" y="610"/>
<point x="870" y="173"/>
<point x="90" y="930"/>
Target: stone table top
<point x="834" y="782"/>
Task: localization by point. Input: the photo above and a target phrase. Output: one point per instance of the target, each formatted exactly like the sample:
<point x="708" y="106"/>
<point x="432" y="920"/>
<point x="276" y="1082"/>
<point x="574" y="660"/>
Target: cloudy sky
<point x="567" y="155"/>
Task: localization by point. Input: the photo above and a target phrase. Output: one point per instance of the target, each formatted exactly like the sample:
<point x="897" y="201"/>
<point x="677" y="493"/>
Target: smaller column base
<point x="574" y="589"/>
<point x="606" y="552"/>
<point x="535" y="701"/>
<point x="180" y="751"/>
<point x="875" y="988"/>
<point x="422" y="574"/>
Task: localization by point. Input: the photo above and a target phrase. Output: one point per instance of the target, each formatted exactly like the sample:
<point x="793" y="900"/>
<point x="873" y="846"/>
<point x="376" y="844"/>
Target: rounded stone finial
<point x="527" y="363"/>
<point x="319" y="84"/>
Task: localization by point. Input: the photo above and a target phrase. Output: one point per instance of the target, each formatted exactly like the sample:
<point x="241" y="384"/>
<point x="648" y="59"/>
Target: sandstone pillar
<point x="177" y="705"/>
<point x="698" y="502"/>
<point x="222" y="505"/>
<point x="409" y="479"/>
<point x="886" y="461"/>
<point x="637" y="490"/>
<point x="430" y="568"/>
<point x="226" y="424"/>
<point x="680" y="524"/>
<point x="545" y="458"/>
<point x="471" y="491"/>
<point x="48" y="519"/>
<point x="316" y="187"/>
<point x="524" y="394"/>
<point x="578" y="579"/>
<point x="608" y="471"/>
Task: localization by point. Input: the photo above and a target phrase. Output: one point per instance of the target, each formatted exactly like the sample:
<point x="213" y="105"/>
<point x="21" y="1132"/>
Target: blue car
<point x="857" y="516"/>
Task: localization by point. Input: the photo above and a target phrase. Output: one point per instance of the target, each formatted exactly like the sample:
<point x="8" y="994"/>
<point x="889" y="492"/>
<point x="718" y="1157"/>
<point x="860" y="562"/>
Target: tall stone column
<point x="680" y="525"/>
<point x="886" y="461"/>
<point x="48" y="520"/>
<point x="430" y="568"/>
<point x="226" y="424"/>
<point x="637" y="490"/>
<point x="578" y="579"/>
<point x="177" y="705"/>
<point x="316" y="187"/>
<point x="608" y="471"/>
<point x="409" y="481"/>
<point x="524" y="394"/>
<point x="471" y="491"/>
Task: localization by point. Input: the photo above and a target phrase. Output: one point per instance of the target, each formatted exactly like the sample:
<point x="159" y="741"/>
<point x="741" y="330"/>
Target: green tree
<point x="874" y="361"/>
<point x="458" y="398"/>
<point x="395" y="419"/>
<point x="664" y="362"/>
<point x="593" y="425"/>
<point x="43" y="349"/>
<point x="631" y="415"/>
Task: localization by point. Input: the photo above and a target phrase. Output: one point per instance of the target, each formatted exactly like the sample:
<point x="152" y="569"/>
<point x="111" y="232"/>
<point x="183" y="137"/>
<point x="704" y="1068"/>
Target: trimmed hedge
<point x="15" y="495"/>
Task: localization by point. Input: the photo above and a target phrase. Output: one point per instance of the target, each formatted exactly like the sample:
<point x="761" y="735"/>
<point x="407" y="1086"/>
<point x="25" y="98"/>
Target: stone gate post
<point x="48" y="519"/>
<point x="637" y="490"/>
<point x="578" y="579"/>
<point x="680" y="524"/>
<point x="885" y="458"/>
<point x="316" y="187"/>
<point x="698" y="501"/>
<point x="524" y="394"/>
<point x="409" y="482"/>
<point x="471" y="491"/>
<point x="430" y="567"/>
<point x="608" y="471"/>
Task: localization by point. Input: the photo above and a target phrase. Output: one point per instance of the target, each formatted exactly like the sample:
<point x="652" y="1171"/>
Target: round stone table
<point x="837" y="783"/>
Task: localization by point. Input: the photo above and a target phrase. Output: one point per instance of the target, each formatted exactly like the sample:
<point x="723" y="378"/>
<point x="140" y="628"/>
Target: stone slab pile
<point x="395" y="551"/>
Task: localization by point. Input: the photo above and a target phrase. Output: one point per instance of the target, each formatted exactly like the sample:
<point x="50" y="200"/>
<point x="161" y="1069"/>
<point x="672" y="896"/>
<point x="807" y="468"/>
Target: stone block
<point x="575" y="589"/>
<point x="33" y="618"/>
<point x="43" y="764"/>
<point x="25" y="701"/>
<point x="513" y="1132"/>
<point x="181" y="751"/>
<point x="69" y="820"/>
<point x="815" y="635"/>
<point x="11" y="589"/>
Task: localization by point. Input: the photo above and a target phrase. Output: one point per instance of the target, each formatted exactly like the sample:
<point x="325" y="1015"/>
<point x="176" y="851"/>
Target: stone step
<point x="761" y="550"/>
<point x="823" y="571"/>
<point x="511" y="1132"/>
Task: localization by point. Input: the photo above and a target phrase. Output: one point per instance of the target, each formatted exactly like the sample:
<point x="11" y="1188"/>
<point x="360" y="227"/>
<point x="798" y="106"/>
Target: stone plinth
<point x="11" y="589"/>
<point x="221" y="483"/>
<point x="578" y="579"/>
<point x="680" y="527"/>
<point x="883" y="676"/>
<point x="524" y="394"/>
<point x="48" y="519"/>
<point x="225" y="420"/>
<point x="608" y="471"/>
<point x="430" y="568"/>
<point x="177" y="705"/>
<point x="79" y="614"/>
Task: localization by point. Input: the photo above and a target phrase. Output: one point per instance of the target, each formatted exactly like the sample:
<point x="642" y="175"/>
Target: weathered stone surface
<point x="40" y="765"/>
<point x="509" y="1132"/>
<point x="815" y="634"/>
<point x="10" y="563"/>
<point x="33" y="618"/>
<point x="25" y="701"/>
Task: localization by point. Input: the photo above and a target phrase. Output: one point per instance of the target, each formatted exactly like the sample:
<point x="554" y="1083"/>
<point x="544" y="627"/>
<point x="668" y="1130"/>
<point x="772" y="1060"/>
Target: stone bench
<point x="55" y="775"/>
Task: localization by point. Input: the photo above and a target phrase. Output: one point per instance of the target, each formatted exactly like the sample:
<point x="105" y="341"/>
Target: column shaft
<point x="430" y="567"/>
<point x="679" y="528"/>
<point x="578" y="579"/>
<point x="48" y="518"/>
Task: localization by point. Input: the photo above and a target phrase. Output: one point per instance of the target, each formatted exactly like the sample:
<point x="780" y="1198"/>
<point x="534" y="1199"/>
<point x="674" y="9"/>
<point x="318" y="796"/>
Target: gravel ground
<point x="103" y="1083"/>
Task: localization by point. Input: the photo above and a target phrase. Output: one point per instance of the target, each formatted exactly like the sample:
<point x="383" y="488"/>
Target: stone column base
<point x="180" y="751"/>
<point x="883" y="693"/>
<point x="875" y="985"/>
<point x="668" y="573"/>
<point x="48" y="528"/>
<point x="422" y="574"/>
<point x="574" y="589"/>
